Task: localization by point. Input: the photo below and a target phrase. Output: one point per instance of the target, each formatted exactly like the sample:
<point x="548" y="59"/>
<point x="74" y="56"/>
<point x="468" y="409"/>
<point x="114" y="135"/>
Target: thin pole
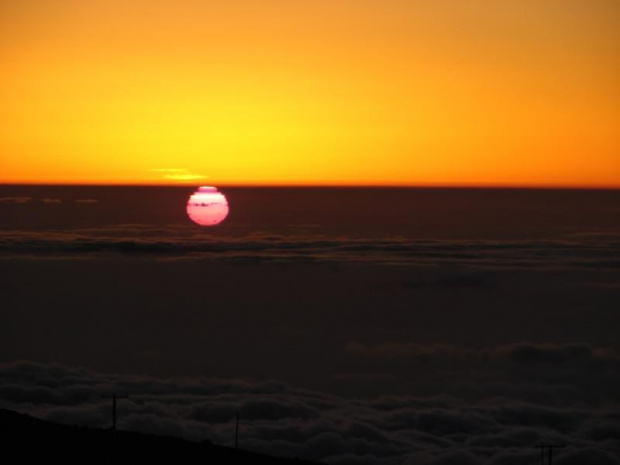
<point x="549" y="448"/>
<point x="114" y="397"/>
<point x="237" y="431"/>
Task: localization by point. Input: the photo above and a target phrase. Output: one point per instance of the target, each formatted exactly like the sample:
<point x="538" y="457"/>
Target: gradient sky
<point x="380" y="92"/>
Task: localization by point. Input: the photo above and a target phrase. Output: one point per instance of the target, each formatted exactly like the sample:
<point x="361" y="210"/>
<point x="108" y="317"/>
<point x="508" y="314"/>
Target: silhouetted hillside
<point x="29" y="440"/>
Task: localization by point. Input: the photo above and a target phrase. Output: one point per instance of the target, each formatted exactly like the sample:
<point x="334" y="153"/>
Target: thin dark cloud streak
<point x="15" y="200"/>
<point x="186" y="243"/>
<point x="524" y="352"/>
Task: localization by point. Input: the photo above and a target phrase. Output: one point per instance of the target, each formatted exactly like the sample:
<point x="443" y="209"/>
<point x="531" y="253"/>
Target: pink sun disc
<point x="207" y="206"/>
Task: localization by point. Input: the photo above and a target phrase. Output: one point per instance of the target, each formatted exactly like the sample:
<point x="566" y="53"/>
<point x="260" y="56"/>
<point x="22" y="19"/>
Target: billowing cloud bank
<point x="276" y="418"/>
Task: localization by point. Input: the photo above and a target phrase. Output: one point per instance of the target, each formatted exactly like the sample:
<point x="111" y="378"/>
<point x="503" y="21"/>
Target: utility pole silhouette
<point x="237" y="431"/>
<point x="549" y="448"/>
<point x="114" y="397"/>
<point x="110" y="454"/>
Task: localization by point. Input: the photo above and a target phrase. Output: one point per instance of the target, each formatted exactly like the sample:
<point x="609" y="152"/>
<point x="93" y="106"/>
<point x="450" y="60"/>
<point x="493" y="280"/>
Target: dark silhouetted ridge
<point x="33" y="441"/>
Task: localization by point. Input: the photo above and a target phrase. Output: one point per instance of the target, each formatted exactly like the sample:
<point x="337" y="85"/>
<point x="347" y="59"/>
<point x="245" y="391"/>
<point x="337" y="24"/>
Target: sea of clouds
<point x="482" y="406"/>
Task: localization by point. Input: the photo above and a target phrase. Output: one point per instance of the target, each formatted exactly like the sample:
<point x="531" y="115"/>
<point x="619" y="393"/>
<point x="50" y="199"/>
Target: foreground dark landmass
<point x="30" y="440"/>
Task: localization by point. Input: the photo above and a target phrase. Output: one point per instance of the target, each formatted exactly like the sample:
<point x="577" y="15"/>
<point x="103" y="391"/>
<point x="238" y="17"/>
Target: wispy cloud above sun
<point x="177" y="174"/>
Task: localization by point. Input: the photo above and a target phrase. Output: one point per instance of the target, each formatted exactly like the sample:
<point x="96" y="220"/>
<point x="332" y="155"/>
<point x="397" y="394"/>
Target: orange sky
<point x="379" y="92"/>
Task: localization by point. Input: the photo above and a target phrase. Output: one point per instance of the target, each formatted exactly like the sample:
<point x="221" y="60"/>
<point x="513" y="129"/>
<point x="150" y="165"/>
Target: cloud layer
<point x="180" y="242"/>
<point x="280" y="419"/>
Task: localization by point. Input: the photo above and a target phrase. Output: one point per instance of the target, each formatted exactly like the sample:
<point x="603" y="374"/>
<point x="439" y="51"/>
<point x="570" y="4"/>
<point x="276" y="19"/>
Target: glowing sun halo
<point x="207" y="206"/>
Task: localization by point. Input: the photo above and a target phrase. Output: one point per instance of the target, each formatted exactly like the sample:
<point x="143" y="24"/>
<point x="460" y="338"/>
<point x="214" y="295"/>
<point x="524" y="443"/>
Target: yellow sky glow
<point x="351" y="92"/>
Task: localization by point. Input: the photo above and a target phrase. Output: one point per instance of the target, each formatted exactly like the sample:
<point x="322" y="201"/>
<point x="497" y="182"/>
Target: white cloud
<point x="178" y="174"/>
<point x="279" y="419"/>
